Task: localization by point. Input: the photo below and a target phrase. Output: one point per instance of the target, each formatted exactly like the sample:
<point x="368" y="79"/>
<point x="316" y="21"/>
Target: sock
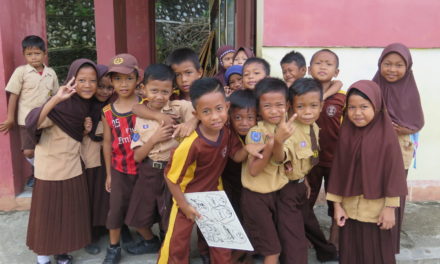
<point x="31" y="161"/>
<point x="43" y="259"/>
<point x="114" y="246"/>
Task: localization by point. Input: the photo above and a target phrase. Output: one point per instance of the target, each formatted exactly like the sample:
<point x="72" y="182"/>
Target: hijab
<point x="221" y="52"/>
<point x="96" y="106"/>
<point x="368" y="160"/>
<point x="402" y="97"/>
<point x="249" y="53"/>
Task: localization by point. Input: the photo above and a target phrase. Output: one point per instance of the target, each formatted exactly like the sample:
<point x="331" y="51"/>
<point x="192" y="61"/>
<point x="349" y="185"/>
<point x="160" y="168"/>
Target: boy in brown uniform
<point x="196" y="166"/>
<point x="286" y="161"/>
<point x="305" y="97"/>
<point x="152" y="144"/>
<point x="323" y="68"/>
<point x="30" y="85"/>
<point x="263" y="178"/>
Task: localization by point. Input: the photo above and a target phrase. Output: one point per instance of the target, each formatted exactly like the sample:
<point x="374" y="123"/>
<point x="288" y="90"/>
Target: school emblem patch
<point x="224" y="152"/>
<point x="303" y="144"/>
<point x="135" y="137"/>
<point x="145" y="126"/>
<point x="118" y="61"/>
<point x="331" y="110"/>
<point x="256" y="136"/>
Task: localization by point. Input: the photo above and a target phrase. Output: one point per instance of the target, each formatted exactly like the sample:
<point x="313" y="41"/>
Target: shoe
<point x="30" y="182"/>
<point x="113" y="255"/>
<point x="92" y="249"/>
<point x="205" y="259"/>
<point x="145" y="246"/>
<point x="64" y="259"/>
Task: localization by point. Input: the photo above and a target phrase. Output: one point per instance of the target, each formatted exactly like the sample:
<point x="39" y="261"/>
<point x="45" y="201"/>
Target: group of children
<point x="105" y="156"/>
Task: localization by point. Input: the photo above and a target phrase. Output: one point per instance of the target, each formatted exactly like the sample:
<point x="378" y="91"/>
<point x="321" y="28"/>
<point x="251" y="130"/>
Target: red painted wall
<point x="17" y="20"/>
<point x="351" y="23"/>
<point x="125" y="27"/>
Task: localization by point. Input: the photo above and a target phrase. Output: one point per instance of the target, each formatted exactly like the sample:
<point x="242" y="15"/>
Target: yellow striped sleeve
<point x="180" y="159"/>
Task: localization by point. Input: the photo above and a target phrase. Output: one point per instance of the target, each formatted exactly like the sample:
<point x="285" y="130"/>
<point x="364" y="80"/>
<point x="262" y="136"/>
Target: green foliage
<point x="70" y="33"/>
<point x="180" y="23"/>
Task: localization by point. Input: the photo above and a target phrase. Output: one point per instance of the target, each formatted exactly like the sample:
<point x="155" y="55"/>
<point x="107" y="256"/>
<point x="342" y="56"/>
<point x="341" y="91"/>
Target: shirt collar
<point x="29" y="68"/>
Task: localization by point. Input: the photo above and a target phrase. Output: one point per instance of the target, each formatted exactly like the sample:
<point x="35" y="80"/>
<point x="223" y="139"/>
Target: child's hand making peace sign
<point x="285" y="129"/>
<point x="66" y="91"/>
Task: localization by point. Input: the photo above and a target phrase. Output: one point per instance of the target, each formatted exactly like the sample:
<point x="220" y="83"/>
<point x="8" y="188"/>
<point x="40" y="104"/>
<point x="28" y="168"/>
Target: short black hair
<point x="270" y="85"/>
<point x="303" y="86"/>
<point x="183" y="54"/>
<point x="261" y="61"/>
<point x="329" y="51"/>
<point x="204" y="86"/>
<point x="242" y="99"/>
<point x="33" y="41"/>
<point x="159" y="72"/>
<point x="294" y="56"/>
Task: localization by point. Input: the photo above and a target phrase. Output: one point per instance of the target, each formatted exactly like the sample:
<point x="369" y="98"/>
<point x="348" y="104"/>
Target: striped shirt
<point x="122" y="127"/>
<point x="197" y="163"/>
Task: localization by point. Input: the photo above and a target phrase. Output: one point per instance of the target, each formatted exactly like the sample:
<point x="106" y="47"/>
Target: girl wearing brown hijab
<point x="59" y="220"/>
<point x="241" y="55"/>
<point x="367" y="178"/>
<point x="401" y="96"/>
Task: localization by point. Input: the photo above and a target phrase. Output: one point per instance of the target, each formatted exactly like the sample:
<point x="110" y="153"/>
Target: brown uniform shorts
<point x="121" y="189"/>
<point x="149" y="200"/>
<point x="260" y="220"/>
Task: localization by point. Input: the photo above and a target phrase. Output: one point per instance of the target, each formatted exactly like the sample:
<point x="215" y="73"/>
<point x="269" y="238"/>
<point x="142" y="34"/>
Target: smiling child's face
<point x="243" y="119"/>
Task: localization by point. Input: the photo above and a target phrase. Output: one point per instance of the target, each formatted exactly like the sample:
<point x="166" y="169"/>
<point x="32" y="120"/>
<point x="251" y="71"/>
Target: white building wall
<point x="361" y="63"/>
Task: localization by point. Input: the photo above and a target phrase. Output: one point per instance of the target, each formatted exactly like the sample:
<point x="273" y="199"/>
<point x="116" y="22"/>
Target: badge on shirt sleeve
<point x="135" y="137"/>
<point x="145" y="126"/>
<point x="303" y="144"/>
<point x="256" y="136"/>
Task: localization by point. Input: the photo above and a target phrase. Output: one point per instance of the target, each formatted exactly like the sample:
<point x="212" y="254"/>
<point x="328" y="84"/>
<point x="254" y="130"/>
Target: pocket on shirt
<point x="302" y="163"/>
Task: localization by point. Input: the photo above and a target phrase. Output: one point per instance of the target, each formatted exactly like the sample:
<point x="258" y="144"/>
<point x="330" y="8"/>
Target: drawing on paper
<point x="219" y="223"/>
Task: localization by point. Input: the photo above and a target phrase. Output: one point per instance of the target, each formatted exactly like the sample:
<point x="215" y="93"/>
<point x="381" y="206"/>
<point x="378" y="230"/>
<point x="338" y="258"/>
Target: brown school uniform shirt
<point x="181" y="111"/>
<point x="361" y="209"/>
<point x="91" y="150"/>
<point x="298" y="148"/>
<point x="33" y="89"/>
<point x="273" y="176"/>
<point x="407" y="148"/>
<point x="57" y="155"/>
<point x="197" y="163"/>
<point x="329" y="122"/>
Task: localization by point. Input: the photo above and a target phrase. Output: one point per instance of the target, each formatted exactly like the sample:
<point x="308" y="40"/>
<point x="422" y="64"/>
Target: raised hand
<point x="66" y="91"/>
<point x="285" y="129"/>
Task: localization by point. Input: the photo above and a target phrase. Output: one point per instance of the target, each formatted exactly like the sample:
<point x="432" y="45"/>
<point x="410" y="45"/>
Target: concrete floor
<point x="420" y="239"/>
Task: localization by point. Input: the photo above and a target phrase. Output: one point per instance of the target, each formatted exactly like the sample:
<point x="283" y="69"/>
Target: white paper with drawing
<point x="219" y="223"/>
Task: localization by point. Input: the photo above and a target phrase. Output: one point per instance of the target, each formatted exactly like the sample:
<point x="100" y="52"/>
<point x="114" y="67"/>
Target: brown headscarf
<point x="402" y="97"/>
<point x="96" y="106"/>
<point x="221" y="52"/>
<point x="368" y="159"/>
<point x="70" y="114"/>
<point x="249" y="53"/>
